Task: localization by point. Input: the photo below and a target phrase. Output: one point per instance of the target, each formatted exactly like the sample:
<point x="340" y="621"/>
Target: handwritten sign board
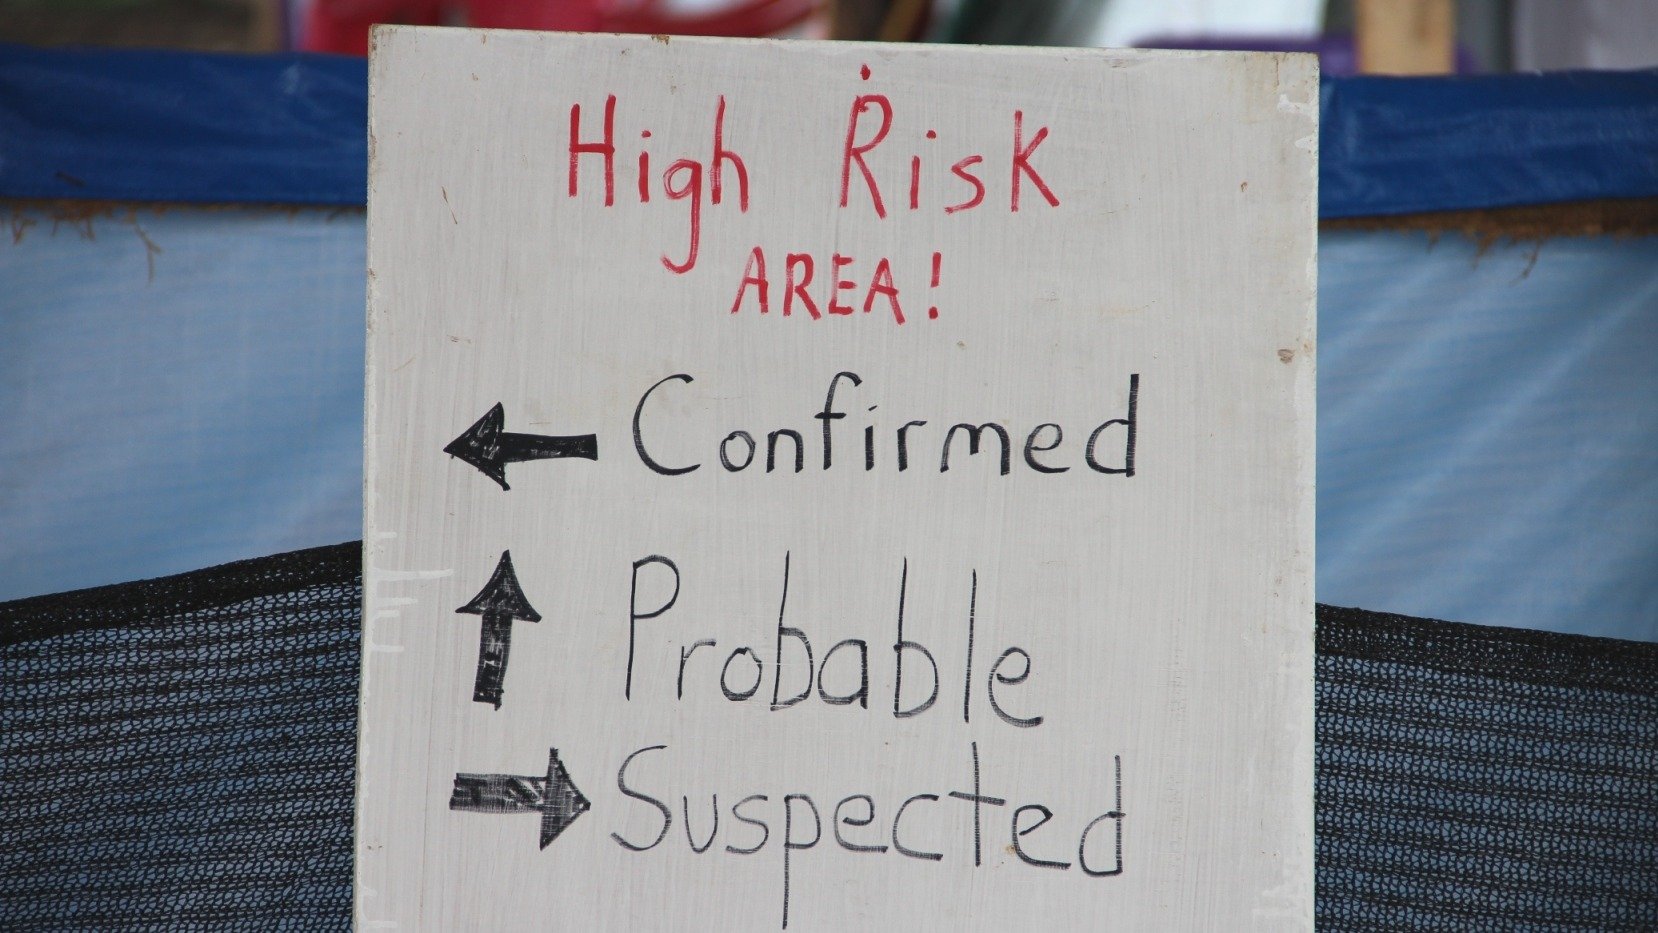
<point x="826" y="487"/>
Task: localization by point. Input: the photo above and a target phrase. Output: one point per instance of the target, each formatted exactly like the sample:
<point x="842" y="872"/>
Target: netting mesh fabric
<point x="178" y="754"/>
<point x="1484" y="778"/>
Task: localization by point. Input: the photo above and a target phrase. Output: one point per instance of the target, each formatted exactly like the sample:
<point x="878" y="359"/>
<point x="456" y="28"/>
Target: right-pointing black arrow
<point x="555" y="796"/>
<point x="488" y="447"/>
<point x="499" y="602"/>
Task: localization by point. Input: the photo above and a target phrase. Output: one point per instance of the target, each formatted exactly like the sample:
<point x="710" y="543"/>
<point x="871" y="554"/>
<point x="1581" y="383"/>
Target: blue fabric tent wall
<point x="183" y="388"/>
<point x="290" y="129"/>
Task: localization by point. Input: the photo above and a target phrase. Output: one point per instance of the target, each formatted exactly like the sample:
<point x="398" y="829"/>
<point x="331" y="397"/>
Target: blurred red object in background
<point x="342" y="25"/>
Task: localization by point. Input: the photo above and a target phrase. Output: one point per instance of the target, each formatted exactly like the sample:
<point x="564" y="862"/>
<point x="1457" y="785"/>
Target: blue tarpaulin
<point x="169" y="126"/>
<point x="1404" y="145"/>
<point x="183" y="388"/>
<point x="291" y="129"/>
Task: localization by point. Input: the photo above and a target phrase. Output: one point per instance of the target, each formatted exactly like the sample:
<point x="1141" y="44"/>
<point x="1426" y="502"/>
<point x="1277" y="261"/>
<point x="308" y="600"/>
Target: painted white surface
<point x="1126" y="22"/>
<point x="1167" y="615"/>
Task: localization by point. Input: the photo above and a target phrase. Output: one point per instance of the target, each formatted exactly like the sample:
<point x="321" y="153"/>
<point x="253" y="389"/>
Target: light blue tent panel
<point x="1488" y="419"/>
<point x="1488" y="430"/>
<point x="155" y="423"/>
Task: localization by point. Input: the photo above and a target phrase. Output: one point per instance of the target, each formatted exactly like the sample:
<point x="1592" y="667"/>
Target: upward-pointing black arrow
<point x="489" y="448"/>
<point x="555" y="796"/>
<point x="499" y="602"/>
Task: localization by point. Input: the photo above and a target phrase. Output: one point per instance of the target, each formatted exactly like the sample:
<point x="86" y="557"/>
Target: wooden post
<point x="265" y="27"/>
<point x="1405" y="37"/>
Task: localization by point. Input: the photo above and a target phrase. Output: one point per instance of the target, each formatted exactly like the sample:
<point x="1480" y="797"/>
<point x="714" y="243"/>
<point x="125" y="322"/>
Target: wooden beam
<point x="1405" y="37"/>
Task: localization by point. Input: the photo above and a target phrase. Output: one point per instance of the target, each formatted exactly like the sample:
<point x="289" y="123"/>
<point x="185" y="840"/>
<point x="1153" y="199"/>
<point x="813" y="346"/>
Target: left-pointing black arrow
<point x="555" y="796"/>
<point x="499" y="602"/>
<point x="487" y="446"/>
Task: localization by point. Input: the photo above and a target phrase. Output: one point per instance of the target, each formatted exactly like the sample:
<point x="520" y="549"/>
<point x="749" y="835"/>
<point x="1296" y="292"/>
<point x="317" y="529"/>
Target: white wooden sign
<point x="836" y="487"/>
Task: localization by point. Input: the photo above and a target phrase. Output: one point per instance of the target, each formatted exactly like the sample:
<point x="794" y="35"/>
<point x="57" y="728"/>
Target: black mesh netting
<point x="178" y="753"/>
